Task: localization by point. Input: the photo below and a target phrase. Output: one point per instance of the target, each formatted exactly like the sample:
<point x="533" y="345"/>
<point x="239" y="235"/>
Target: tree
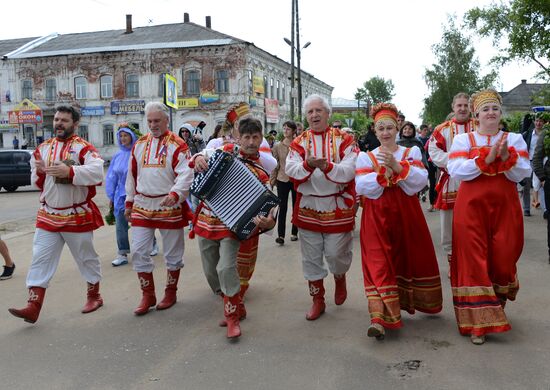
<point x="520" y="30"/>
<point x="375" y="90"/>
<point x="457" y="70"/>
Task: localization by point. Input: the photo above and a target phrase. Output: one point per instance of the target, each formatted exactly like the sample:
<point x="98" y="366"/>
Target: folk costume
<point x="158" y="167"/>
<point x="324" y="211"/>
<point x="228" y="263"/>
<point x="488" y="218"/>
<point x="400" y="268"/>
<point x="447" y="187"/>
<point x="67" y="214"/>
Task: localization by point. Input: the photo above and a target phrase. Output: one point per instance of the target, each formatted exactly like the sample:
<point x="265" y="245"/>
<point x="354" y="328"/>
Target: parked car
<point x="15" y="169"/>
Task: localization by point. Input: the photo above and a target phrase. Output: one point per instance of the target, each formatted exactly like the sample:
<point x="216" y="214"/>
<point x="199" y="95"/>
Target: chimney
<point x="185" y="17"/>
<point x="208" y="22"/>
<point x="129" y="24"/>
<point x="524" y="81"/>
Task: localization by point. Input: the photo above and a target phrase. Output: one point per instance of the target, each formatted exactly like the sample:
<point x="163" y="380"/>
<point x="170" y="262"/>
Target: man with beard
<point x="439" y="146"/>
<point x="67" y="169"/>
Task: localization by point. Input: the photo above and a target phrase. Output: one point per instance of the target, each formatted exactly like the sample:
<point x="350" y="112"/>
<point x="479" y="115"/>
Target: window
<point x="192" y="82"/>
<point x="278" y="90"/>
<point x="265" y="86"/>
<point x="83" y="132"/>
<point x="80" y="87"/>
<point x="250" y="82"/>
<point x="271" y="88"/>
<point x="106" y="86"/>
<point x="26" y="89"/>
<point x="132" y="85"/>
<point x="51" y="90"/>
<point x="222" y="81"/>
<point x="283" y="92"/>
<point x="108" y="135"/>
<point x="21" y="157"/>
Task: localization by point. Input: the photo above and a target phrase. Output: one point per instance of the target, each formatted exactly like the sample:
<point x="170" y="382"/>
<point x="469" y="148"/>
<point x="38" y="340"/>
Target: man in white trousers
<point x="157" y="186"/>
<point x="67" y="170"/>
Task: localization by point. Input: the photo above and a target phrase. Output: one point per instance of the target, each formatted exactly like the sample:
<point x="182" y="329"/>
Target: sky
<point x="351" y="40"/>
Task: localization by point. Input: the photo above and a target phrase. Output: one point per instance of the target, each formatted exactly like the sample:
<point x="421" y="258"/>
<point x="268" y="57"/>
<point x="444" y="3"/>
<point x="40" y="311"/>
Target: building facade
<point x="111" y="75"/>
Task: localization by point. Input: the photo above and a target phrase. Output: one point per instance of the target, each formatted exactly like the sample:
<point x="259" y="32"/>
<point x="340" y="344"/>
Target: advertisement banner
<point x="209" y="97"/>
<point x="119" y="107"/>
<point x="170" y="91"/>
<point x="26" y="116"/>
<point x="258" y="84"/>
<point x="271" y="110"/>
<point x="188" y="102"/>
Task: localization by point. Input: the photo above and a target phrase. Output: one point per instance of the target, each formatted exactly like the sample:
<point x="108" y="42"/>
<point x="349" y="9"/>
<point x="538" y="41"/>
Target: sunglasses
<point x="337" y="126"/>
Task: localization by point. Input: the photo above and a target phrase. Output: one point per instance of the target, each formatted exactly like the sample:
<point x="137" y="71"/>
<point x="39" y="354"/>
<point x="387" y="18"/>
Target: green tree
<point x="520" y="29"/>
<point x="457" y="70"/>
<point x="375" y="90"/>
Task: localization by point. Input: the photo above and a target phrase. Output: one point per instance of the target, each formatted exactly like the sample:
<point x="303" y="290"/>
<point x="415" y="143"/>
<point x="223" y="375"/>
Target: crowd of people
<point x="469" y="165"/>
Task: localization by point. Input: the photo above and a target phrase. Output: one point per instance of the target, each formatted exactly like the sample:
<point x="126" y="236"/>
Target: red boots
<point x="231" y="313"/>
<point x="317" y="291"/>
<point x="31" y="312"/>
<point x="340" y="291"/>
<point x="148" y="298"/>
<point x="94" y="300"/>
<point x="170" y="292"/>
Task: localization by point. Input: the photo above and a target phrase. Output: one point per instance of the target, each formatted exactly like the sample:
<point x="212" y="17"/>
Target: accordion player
<point x="234" y="193"/>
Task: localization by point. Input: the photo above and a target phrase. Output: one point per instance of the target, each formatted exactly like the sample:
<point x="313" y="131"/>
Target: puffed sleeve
<point x="184" y="174"/>
<point x="266" y="158"/>
<point x="344" y="171"/>
<point x="296" y="167"/>
<point x="131" y="179"/>
<point x="91" y="172"/>
<point x="517" y="166"/>
<point x="366" y="183"/>
<point x="435" y="149"/>
<point x="414" y="176"/>
<point x="460" y="166"/>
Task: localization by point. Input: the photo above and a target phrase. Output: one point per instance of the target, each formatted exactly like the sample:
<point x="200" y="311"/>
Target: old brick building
<point x="112" y="74"/>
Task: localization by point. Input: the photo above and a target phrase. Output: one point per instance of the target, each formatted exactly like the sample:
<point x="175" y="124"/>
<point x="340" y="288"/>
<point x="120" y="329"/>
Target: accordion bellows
<point x="233" y="193"/>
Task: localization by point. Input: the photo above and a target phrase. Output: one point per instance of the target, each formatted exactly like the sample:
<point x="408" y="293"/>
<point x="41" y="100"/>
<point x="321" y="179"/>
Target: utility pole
<point x="298" y="48"/>
<point x="292" y="33"/>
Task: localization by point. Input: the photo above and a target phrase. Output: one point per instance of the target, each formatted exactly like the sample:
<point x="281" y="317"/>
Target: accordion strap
<point x="255" y="165"/>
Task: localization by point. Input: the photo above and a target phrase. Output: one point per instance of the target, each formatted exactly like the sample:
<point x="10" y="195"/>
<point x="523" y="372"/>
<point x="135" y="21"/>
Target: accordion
<point x="233" y="193"/>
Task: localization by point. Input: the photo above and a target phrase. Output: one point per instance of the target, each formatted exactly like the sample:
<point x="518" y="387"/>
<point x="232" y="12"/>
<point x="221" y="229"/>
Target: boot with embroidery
<point x="34" y="304"/>
<point x="231" y="313"/>
<point x="94" y="300"/>
<point x="340" y="290"/>
<point x="148" y="298"/>
<point x="317" y="291"/>
<point x="170" y="297"/>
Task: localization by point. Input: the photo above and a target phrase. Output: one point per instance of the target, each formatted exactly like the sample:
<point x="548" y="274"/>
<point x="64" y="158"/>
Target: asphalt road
<point x="184" y="348"/>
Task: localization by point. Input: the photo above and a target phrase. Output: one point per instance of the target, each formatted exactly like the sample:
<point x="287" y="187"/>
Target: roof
<point x="149" y="37"/>
<point x="13" y="44"/>
<point x="521" y="94"/>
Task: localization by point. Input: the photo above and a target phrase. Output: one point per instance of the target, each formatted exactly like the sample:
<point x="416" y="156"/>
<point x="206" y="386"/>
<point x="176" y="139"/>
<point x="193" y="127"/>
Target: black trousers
<point x="432" y="171"/>
<point x="547" y="202"/>
<point x="283" y="189"/>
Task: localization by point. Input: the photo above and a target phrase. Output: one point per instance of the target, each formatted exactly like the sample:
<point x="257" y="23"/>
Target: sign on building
<point x="170" y="91"/>
<point x="120" y="107"/>
<point x="25" y="112"/>
<point x="258" y="84"/>
<point x="92" y="111"/>
<point x="188" y="102"/>
<point x="271" y="110"/>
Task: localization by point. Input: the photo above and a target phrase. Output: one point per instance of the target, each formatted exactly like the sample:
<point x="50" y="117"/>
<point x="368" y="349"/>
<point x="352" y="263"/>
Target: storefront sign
<point x="188" y="103"/>
<point x="119" y="107"/>
<point x="258" y="84"/>
<point x="92" y="111"/>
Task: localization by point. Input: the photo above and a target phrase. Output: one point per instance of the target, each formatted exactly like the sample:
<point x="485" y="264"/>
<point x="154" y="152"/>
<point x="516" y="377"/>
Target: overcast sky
<point x="351" y="40"/>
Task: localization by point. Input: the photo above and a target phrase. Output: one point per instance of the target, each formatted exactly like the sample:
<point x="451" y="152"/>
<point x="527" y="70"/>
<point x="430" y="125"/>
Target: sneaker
<point x="120" y="260"/>
<point x="293" y="238"/>
<point x="8" y="272"/>
<point x="155" y="250"/>
<point x="280" y="240"/>
<point x="376" y="330"/>
<point x="477" y="340"/>
<point x="545" y="214"/>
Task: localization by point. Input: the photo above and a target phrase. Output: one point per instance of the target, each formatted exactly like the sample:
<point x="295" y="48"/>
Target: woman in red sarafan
<point x="399" y="264"/>
<point x="488" y="221"/>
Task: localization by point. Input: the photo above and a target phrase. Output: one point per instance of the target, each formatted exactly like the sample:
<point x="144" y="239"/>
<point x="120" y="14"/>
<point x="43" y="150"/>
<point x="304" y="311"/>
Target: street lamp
<point x="298" y="50"/>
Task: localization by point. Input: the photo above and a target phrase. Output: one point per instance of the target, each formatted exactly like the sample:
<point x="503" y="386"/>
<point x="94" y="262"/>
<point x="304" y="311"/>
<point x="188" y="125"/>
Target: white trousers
<point x="446" y="219"/>
<point x="335" y="247"/>
<point x="173" y="245"/>
<point x="46" y="252"/>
